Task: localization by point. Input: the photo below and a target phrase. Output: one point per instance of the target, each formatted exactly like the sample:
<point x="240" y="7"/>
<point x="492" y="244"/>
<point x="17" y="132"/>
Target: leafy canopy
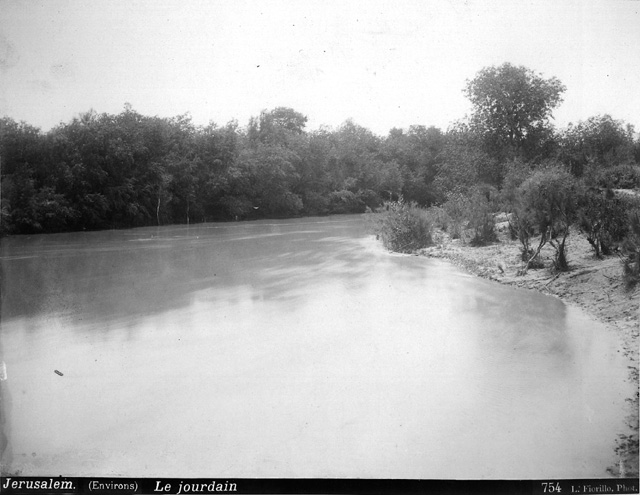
<point x="512" y="104"/>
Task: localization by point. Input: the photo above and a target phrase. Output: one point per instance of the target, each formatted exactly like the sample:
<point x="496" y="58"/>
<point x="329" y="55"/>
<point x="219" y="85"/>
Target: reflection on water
<point x="293" y="348"/>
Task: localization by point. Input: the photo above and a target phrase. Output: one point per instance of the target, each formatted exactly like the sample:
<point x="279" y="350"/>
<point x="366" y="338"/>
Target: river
<point x="292" y="348"/>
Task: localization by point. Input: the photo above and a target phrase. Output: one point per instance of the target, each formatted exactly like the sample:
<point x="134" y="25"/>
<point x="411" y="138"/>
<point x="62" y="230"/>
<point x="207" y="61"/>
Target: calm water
<point x="294" y="348"/>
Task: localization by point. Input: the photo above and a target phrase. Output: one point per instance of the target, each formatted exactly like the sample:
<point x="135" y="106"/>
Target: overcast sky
<point x="383" y="63"/>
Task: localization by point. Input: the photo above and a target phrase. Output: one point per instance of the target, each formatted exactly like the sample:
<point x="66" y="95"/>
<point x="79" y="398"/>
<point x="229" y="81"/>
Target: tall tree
<point x="276" y="126"/>
<point x="512" y="107"/>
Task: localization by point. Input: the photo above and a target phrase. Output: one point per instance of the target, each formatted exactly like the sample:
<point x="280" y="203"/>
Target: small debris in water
<point x="58" y="373"/>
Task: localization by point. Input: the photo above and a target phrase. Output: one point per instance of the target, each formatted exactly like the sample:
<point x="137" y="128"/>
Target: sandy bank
<point x="595" y="285"/>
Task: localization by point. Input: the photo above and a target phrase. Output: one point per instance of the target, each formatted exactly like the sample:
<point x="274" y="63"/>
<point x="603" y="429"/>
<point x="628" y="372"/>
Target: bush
<point x="474" y="211"/>
<point x="369" y="198"/>
<point x="438" y="217"/>
<point x="456" y="209"/>
<point x="547" y="202"/>
<point x="285" y="204"/>
<point x="403" y="227"/>
<point x="315" y="203"/>
<point x="624" y="176"/>
<point x="521" y="227"/>
<point x="481" y="218"/>
<point x="345" y="202"/>
<point x="237" y="207"/>
<point x="631" y="251"/>
<point x="602" y="219"/>
<point x="517" y="173"/>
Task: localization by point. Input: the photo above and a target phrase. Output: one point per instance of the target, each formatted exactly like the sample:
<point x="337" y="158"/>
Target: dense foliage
<point x="602" y="218"/>
<point x="403" y="227"/>
<point x="115" y="171"/>
<point x="512" y="108"/>
<point x="631" y="251"/>
<point x="112" y="171"/>
<point x="547" y="203"/>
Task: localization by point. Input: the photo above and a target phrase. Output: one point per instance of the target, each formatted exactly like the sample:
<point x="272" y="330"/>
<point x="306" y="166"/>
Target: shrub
<point x="517" y="173"/>
<point x="403" y="227"/>
<point x="5" y="225"/>
<point x="471" y="210"/>
<point x="284" y="204"/>
<point x="438" y="217"/>
<point x="631" y="251"/>
<point x="522" y="228"/>
<point x="456" y="209"/>
<point x="315" y="203"/>
<point x="481" y="218"/>
<point x="630" y="203"/>
<point x="369" y="198"/>
<point x="547" y="202"/>
<point x="345" y="202"/>
<point x="624" y="176"/>
<point x="602" y="219"/>
<point x="237" y="207"/>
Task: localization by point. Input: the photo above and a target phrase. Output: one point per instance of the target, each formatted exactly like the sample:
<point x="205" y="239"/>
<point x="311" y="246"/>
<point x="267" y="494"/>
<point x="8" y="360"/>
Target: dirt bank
<point x="595" y="285"/>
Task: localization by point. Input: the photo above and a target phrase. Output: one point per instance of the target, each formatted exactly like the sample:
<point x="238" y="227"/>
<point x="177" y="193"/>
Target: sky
<point x="384" y="64"/>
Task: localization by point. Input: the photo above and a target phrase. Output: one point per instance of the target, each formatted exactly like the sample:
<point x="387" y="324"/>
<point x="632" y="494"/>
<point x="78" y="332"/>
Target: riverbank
<point x="594" y="285"/>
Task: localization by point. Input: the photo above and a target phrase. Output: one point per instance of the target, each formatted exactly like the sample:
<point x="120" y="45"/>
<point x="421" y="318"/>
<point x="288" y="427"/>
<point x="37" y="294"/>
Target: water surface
<point x="294" y="348"/>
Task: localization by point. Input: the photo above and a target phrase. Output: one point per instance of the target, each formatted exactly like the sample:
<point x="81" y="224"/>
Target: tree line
<point x="103" y="171"/>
